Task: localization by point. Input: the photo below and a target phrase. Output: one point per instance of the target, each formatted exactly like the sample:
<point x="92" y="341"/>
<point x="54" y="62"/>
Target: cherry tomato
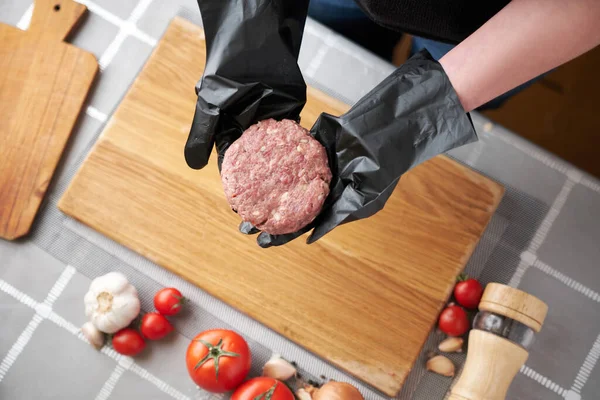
<point x="168" y="301"/>
<point x="155" y="326"/>
<point x="218" y="360"/>
<point x="468" y="293"/>
<point x="263" y="388"/>
<point x="454" y="321"/>
<point x="128" y="342"/>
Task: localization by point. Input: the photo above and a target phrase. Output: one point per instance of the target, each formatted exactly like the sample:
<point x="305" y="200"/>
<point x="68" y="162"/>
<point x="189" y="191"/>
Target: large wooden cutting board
<point x="43" y="84"/>
<point x="364" y="297"/>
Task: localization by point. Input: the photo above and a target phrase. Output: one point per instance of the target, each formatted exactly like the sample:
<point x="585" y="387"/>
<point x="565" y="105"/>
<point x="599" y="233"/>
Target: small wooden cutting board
<point x="365" y="297"/>
<point x="43" y="84"/>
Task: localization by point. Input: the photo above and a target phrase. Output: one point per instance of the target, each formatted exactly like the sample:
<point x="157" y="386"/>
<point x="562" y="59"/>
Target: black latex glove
<point x="252" y="74"/>
<point x="410" y="117"/>
<point x="251" y="71"/>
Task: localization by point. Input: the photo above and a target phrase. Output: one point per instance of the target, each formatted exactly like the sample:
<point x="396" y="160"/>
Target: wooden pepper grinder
<point x="502" y="333"/>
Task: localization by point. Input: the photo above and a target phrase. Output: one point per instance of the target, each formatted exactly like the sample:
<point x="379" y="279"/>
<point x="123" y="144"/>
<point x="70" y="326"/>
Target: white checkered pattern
<point x="44" y="311"/>
<point x="529" y="257"/>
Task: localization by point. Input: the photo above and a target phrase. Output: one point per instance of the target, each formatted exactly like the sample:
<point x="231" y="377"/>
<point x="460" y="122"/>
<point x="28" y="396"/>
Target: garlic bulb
<point x="278" y="368"/>
<point x="93" y="335"/>
<point x="111" y="302"/>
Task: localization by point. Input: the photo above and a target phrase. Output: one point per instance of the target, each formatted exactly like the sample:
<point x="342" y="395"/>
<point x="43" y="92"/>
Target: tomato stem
<point x="268" y="394"/>
<point x="462" y="277"/>
<point x="180" y="301"/>
<point x="215" y="352"/>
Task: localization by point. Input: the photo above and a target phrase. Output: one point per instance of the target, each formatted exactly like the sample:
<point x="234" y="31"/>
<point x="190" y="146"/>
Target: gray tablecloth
<point x="544" y="239"/>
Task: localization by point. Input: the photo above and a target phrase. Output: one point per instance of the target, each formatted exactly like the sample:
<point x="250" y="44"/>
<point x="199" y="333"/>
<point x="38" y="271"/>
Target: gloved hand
<point x="410" y="117"/>
<point x="251" y="71"/>
<point x="252" y="74"/>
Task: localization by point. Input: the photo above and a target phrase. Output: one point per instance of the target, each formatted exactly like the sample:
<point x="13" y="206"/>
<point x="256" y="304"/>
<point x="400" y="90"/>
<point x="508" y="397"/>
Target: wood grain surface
<point x="43" y="84"/>
<point x="514" y="303"/>
<point x="492" y="363"/>
<point x="364" y="297"/>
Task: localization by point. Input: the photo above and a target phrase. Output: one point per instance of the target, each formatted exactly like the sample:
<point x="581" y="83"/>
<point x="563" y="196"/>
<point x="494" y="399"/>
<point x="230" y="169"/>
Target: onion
<point x="337" y="391"/>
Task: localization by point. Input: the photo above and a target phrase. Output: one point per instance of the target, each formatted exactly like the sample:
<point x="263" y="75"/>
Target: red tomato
<point x="454" y="321"/>
<point x="168" y="301"/>
<point x="468" y="293"/>
<point x="263" y="388"/>
<point x="128" y="342"/>
<point x="155" y="326"/>
<point x="218" y="360"/>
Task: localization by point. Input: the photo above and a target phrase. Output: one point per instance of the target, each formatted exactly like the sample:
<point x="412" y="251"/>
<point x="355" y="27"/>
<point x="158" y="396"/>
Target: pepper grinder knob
<point x="502" y="333"/>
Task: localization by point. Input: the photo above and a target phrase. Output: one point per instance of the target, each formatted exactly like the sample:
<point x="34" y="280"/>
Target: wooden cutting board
<point x="43" y="84"/>
<point x="364" y="297"/>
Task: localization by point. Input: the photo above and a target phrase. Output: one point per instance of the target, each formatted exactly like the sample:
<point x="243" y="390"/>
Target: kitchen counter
<point x="543" y="239"/>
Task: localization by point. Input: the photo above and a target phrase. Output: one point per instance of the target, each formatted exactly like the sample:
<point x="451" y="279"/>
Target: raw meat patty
<point x="276" y="176"/>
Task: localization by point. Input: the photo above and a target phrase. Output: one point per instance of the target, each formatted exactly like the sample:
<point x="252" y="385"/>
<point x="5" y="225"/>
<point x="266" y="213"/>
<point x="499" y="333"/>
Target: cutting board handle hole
<point x="57" y="7"/>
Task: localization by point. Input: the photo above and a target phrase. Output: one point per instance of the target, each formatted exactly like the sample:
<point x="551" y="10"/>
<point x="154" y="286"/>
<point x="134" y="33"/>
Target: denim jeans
<point x="346" y="18"/>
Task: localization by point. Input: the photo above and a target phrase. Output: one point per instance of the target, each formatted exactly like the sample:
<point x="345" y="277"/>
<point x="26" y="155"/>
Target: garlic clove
<point x="302" y="394"/>
<point x="451" y="345"/>
<point x="440" y="365"/>
<point x="311" y="389"/>
<point x="93" y="335"/>
<point x="279" y="369"/>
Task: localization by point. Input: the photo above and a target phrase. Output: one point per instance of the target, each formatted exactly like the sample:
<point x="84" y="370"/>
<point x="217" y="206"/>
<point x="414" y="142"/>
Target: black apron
<point x="448" y="21"/>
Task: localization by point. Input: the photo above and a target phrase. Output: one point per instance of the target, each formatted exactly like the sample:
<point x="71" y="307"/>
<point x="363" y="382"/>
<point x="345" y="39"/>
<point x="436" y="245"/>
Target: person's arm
<point x="524" y="40"/>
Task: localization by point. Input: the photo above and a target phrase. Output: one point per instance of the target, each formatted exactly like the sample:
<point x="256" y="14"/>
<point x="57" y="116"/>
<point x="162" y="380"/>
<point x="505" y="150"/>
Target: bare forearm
<point x="522" y="41"/>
